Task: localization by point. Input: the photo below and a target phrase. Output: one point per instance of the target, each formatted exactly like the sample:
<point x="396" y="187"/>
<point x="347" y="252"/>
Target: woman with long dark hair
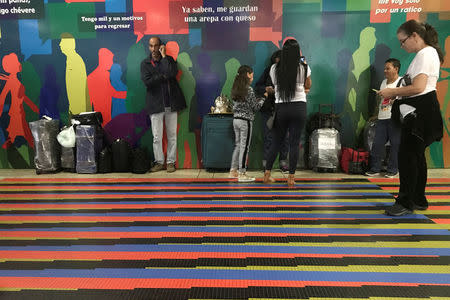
<point x="291" y="77"/>
<point x="418" y="112"/>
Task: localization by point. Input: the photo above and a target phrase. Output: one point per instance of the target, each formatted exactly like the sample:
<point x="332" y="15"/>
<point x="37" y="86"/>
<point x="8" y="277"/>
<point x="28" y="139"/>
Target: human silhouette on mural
<point x="187" y="145"/>
<point x="49" y="95"/>
<point x="356" y="111"/>
<point x="77" y="92"/>
<point x="443" y="94"/>
<point x="128" y="126"/>
<point x="101" y="91"/>
<point x="118" y="105"/>
<point x="18" y="125"/>
<point x="208" y="85"/>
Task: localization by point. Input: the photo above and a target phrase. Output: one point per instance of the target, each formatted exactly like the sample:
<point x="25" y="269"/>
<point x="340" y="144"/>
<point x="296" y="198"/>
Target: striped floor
<point x="142" y="238"/>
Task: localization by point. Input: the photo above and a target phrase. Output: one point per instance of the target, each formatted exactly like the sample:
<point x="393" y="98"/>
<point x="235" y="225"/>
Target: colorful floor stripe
<point x="109" y="238"/>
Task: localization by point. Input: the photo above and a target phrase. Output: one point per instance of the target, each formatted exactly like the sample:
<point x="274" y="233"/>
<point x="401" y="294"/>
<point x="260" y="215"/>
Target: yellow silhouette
<point x="76" y="78"/>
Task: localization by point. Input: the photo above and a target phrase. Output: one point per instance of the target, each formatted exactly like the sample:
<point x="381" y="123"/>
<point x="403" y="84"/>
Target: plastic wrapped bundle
<point x="47" y="157"/>
<point x="88" y="143"/>
<point x="324" y="149"/>
<point x="369" y="134"/>
<point x="68" y="159"/>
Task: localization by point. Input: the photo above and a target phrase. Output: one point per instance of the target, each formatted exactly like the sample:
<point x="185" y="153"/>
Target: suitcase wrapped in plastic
<point x="47" y="158"/>
<point x="68" y="159"/>
<point x="89" y="141"/>
<point x="217" y="141"/>
<point x="324" y="150"/>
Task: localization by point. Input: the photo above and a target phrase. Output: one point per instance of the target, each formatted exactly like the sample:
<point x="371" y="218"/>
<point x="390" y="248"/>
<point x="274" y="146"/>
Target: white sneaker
<point x="243" y="177"/>
<point x="233" y="174"/>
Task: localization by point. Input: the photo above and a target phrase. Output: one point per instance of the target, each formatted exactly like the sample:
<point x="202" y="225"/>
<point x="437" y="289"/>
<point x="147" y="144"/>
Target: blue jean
<point x="242" y="139"/>
<point x="268" y="140"/>
<point x="170" y="119"/>
<point x="385" y="130"/>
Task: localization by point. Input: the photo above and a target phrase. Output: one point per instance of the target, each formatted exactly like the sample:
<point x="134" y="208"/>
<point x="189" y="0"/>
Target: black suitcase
<point x="140" y="161"/>
<point x="217" y="141"/>
<point x="121" y="153"/>
<point x="47" y="158"/>
<point x="105" y="161"/>
<point x="323" y="120"/>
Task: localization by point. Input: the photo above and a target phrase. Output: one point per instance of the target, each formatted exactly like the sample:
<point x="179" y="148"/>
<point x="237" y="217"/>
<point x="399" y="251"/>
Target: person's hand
<point x="266" y="94"/>
<point x="307" y="90"/>
<point x="373" y="118"/>
<point x="162" y="50"/>
<point x="388" y="93"/>
<point x="269" y="90"/>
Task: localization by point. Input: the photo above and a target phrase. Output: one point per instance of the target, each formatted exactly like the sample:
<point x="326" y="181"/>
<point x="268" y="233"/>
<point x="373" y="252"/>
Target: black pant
<point x="413" y="170"/>
<point x="289" y="116"/>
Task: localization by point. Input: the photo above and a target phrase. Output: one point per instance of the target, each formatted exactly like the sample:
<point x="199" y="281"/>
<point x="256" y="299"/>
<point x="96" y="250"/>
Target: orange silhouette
<point x="443" y="94"/>
<point x="100" y="88"/>
<point x="18" y="125"/>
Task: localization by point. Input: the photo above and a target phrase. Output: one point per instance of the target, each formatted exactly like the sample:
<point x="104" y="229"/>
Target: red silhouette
<point x="18" y="125"/>
<point x="101" y="91"/>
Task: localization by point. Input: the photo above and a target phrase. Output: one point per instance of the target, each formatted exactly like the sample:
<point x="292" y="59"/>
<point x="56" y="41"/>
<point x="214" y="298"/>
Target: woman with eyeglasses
<point x="418" y="112"/>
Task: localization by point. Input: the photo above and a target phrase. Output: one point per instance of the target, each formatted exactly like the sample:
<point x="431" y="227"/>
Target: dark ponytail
<point x="431" y="38"/>
<point x="426" y="32"/>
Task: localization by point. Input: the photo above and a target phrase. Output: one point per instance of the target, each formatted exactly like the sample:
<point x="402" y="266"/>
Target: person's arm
<point x="255" y="103"/>
<point x="308" y="83"/>
<point x="168" y="67"/>
<point x="418" y="86"/>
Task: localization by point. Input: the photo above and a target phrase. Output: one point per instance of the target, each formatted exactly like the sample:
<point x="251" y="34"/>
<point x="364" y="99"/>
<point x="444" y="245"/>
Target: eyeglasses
<point x="404" y="40"/>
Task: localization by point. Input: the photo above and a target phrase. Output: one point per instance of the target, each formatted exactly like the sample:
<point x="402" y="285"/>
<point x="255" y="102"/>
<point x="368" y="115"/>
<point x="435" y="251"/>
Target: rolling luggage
<point x="217" y="141"/>
<point x="47" y="158"/>
<point x="324" y="150"/>
<point x="89" y="141"/>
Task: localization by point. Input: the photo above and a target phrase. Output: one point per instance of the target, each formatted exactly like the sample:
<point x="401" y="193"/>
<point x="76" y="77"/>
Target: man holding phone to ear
<point x="164" y="99"/>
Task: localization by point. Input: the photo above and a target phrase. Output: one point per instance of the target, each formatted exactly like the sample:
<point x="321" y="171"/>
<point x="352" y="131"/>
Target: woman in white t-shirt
<point x="386" y="129"/>
<point x="291" y="77"/>
<point x="419" y="113"/>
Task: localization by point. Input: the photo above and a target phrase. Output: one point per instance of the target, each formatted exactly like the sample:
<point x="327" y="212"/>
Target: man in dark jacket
<point x="163" y="100"/>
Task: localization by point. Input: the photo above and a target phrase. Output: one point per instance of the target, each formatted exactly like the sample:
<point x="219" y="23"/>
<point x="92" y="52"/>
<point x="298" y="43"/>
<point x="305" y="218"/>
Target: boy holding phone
<point x="386" y="129"/>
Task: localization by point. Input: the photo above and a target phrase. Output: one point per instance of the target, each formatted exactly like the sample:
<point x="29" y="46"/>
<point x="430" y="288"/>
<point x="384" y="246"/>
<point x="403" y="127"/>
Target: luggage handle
<point x="321" y="106"/>
<point x="358" y="159"/>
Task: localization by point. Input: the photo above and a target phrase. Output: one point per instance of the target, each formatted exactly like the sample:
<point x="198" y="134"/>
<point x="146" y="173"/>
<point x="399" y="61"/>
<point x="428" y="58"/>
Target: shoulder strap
<point x="399" y="82"/>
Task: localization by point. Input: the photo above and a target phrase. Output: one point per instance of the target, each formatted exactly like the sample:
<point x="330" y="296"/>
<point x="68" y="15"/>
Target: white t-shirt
<point x="425" y="62"/>
<point x="300" y="94"/>
<point x="384" y="111"/>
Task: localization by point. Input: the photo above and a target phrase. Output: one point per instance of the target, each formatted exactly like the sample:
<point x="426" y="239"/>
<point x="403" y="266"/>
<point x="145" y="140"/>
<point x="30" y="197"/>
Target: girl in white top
<point x="419" y="112"/>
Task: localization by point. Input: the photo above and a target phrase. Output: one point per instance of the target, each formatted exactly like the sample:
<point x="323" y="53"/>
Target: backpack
<point x="140" y="161"/>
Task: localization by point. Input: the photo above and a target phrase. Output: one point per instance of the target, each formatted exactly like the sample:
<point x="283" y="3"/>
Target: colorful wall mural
<point x="65" y="57"/>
